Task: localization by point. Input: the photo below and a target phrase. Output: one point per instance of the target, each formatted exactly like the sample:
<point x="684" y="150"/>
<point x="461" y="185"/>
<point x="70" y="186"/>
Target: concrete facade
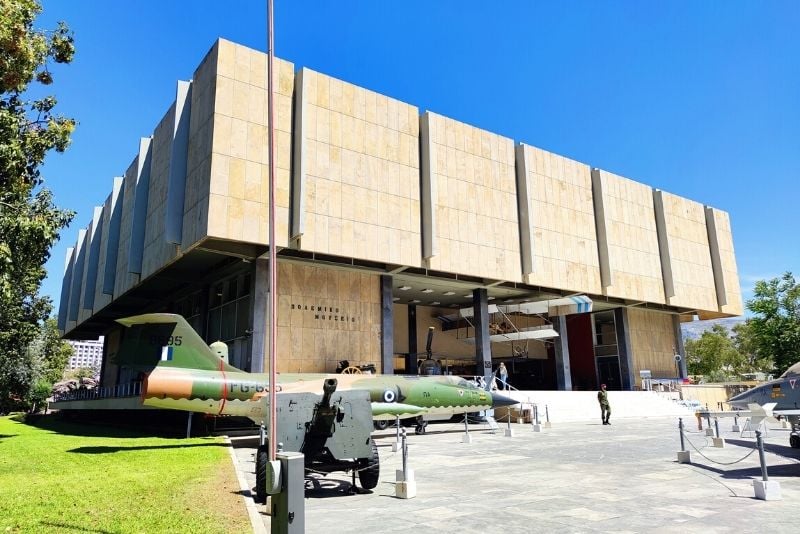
<point x="369" y="186"/>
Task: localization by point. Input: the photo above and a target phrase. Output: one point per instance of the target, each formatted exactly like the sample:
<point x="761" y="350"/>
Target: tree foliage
<point x="774" y="329"/>
<point x="714" y="354"/>
<point x="29" y="220"/>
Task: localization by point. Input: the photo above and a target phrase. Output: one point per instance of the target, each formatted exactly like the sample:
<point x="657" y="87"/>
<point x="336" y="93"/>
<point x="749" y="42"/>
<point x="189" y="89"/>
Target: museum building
<point x="390" y="221"/>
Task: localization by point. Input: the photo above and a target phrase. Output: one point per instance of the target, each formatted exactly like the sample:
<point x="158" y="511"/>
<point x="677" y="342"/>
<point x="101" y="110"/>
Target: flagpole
<point x="273" y="256"/>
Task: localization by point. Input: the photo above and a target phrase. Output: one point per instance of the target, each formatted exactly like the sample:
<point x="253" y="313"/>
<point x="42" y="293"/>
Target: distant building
<point x="87" y="354"/>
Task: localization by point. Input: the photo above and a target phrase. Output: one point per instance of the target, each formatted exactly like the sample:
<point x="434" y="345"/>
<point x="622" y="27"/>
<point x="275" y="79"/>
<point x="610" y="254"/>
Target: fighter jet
<point x="784" y="393"/>
<point x="328" y="417"/>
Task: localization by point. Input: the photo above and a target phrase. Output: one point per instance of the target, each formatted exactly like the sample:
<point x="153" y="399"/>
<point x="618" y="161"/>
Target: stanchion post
<point x="546" y="416"/>
<point x="684" y="456"/>
<point x="716" y="425"/>
<point x="765" y="489"/>
<point x="467" y="438"/>
<point x="761" y="459"/>
<point x="719" y="441"/>
<point x="405" y="485"/>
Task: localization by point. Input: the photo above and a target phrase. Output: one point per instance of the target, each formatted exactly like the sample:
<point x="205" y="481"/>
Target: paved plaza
<point x="573" y="477"/>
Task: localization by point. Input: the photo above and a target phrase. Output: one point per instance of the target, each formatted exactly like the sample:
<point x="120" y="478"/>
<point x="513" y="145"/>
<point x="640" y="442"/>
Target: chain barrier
<point x="714" y="461"/>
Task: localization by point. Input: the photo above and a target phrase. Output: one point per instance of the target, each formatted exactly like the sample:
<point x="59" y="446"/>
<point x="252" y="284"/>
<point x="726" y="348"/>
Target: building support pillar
<point x="260" y="340"/>
<point x="411" y="357"/>
<point x="387" y="326"/>
<point x="483" y="347"/>
<point x="563" y="373"/>
<point x="679" y="349"/>
<point x="624" y="348"/>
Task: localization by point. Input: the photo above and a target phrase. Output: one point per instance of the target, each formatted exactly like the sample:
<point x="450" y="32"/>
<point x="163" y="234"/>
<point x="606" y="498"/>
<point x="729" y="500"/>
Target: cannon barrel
<point x="327" y="390"/>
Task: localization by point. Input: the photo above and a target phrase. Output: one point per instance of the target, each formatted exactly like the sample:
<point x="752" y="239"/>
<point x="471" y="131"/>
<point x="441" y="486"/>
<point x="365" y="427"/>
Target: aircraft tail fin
<point x="164" y="340"/>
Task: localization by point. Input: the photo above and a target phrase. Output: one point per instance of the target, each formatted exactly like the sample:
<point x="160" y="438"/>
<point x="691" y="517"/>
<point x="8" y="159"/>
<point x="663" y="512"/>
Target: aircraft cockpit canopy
<point x="793" y="370"/>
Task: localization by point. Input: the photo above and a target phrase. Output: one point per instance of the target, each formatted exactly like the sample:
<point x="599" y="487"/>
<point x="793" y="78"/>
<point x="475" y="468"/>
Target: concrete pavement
<point x="573" y="477"/>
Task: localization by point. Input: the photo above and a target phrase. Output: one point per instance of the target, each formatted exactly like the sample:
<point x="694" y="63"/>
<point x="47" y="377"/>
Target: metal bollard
<point x="405" y="456"/>
<point x="760" y="445"/>
<point x="466" y="425"/>
<point x="680" y="431"/>
<point x="546" y="413"/>
<point x="536" y="413"/>
<point x="716" y="425"/>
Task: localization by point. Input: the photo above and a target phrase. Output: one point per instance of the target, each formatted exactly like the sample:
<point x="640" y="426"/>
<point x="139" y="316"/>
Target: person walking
<point x="605" y="407"/>
<point x="503" y="372"/>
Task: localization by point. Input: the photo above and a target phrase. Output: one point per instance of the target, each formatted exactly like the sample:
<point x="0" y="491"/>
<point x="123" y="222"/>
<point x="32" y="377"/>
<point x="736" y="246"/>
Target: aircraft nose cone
<point x="498" y="401"/>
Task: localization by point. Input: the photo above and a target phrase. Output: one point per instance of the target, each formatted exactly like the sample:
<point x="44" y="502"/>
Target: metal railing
<point x="131" y="389"/>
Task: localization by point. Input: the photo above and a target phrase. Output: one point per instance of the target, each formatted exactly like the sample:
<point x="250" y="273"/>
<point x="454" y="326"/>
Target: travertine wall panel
<point x="632" y="240"/>
<point x="198" y="164"/>
<point x="125" y="279"/>
<point x="101" y="300"/>
<point x="652" y="343"/>
<point x="93" y="237"/>
<point x="157" y="252"/>
<point x="359" y="174"/>
<point x="560" y="221"/>
<point x="326" y="315"/>
<point x="238" y="200"/>
<point x="474" y="219"/>
<point x="689" y="255"/>
<point x="727" y="274"/>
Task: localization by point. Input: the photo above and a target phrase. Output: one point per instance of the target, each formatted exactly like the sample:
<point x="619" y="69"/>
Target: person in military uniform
<point x="605" y="407"/>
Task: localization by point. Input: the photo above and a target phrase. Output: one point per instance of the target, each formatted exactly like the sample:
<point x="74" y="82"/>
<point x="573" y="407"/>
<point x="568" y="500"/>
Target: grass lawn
<point x="64" y="477"/>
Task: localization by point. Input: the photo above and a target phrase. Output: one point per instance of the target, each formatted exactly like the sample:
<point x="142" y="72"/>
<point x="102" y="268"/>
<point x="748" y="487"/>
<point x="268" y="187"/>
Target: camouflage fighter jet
<point x="183" y="373"/>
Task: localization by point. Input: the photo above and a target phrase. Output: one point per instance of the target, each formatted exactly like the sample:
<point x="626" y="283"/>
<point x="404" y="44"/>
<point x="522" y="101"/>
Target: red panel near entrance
<point x="581" y="352"/>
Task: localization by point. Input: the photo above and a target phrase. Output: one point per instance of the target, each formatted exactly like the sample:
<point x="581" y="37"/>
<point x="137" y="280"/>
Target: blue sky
<point x="700" y="99"/>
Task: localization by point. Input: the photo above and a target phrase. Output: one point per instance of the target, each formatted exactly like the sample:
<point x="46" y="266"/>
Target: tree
<point x="775" y="325"/>
<point x="745" y="343"/>
<point x="714" y="354"/>
<point x="29" y="220"/>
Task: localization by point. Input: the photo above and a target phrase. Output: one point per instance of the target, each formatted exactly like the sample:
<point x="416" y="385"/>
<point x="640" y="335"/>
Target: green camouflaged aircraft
<point x="185" y="374"/>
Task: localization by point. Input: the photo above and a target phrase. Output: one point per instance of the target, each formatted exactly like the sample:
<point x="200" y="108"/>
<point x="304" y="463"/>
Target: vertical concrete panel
<point x="125" y="278"/>
<point x="90" y="285"/>
<point x="77" y="276"/>
<point x="429" y="192"/>
<point x="723" y="259"/>
<point x="141" y="196"/>
<point x="112" y="241"/>
<point x="298" y="227"/>
<point x="525" y="209"/>
<point x="663" y="244"/>
<point x="602" y="234"/>
<point x="66" y="286"/>
<point x="176" y="188"/>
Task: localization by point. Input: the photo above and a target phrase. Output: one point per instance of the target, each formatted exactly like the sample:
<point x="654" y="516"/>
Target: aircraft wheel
<point x="794" y="441"/>
<point x="369" y="469"/>
<point x="262" y="458"/>
<point x="380" y="425"/>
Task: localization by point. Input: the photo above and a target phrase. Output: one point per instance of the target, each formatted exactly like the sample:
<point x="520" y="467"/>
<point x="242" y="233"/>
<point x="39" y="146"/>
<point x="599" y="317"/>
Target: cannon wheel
<point x="262" y="458"/>
<point x="369" y="469"/>
<point x="351" y="371"/>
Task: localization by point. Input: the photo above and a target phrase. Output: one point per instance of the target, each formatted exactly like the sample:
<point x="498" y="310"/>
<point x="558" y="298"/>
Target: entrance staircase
<point x="566" y="406"/>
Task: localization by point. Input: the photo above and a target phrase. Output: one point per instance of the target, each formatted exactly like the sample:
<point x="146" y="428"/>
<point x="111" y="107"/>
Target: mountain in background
<point x="695" y="329"/>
